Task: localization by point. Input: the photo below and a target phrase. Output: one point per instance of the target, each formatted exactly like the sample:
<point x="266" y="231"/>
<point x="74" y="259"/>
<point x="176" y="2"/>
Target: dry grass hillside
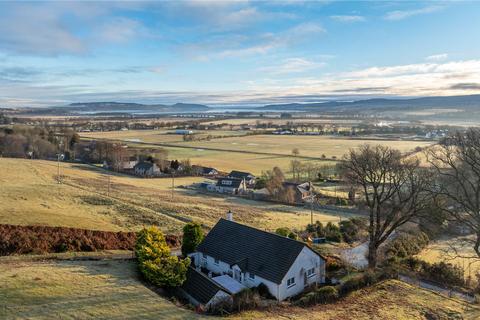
<point x="113" y="290"/>
<point x="30" y="195"/>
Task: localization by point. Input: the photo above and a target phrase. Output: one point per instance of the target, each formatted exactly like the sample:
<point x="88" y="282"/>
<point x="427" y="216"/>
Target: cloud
<point x="293" y="65"/>
<point x="404" y="14"/>
<point x="32" y="29"/>
<point x="120" y="30"/>
<point x="348" y="18"/>
<point x="437" y="57"/>
<point x="64" y="28"/>
<point x="265" y="43"/>
<point x="465" y="86"/>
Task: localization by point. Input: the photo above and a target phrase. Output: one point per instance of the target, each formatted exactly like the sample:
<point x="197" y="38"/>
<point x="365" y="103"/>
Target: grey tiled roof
<point x="262" y="253"/>
<point x="200" y="286"/>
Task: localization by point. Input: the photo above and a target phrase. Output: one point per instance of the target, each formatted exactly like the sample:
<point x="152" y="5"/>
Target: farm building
<point x="146" y="169"/>
<point x="228" y="185"/>
<point x="251" y="257"/>
<point x="247" y="176"/>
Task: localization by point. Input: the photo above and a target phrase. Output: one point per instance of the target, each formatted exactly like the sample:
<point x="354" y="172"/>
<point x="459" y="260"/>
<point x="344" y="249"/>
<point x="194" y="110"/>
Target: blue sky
<point x="236" y="52"/>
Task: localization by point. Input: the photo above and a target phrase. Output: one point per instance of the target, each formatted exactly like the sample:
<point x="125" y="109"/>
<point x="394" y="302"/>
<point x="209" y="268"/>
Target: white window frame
<point x="311" y="272"/>
<point x="291" y="282"/>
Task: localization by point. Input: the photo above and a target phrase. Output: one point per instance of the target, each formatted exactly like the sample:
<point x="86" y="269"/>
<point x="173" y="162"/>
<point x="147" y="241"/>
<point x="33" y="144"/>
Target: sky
<point x="228" y="53"/>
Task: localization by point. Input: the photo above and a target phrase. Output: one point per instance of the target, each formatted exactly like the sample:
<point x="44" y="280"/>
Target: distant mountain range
<point x="383" y="104"/>
<point x="86" y="108"/>
<point x="463" y="108"/>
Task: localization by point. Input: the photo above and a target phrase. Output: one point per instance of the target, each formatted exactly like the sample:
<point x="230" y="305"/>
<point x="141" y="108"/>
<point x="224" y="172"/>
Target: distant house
<point x="250" y="257"/>
<point x="146" y="169"/>
<point x="125" y="164"/>
<point x="228" y="185"/>
<point x="303" y="191"/>
<point x="247" y="176"/>
<point x="128" y="164"/>
<point x="204" y="171"/>
<point x="202" y="291"/>
<point x="183" y="131"/>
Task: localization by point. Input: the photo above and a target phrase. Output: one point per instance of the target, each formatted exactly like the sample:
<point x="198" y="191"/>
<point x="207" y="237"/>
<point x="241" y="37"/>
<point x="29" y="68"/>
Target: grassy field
<point x="441" y="250"/>
<point x="264" y="151"/>
<point x="157" y="136"/>
<point x="80" y="290"/>
<point x="30" y="195"/>
<point x="113" y="290"/>
<point x="310" y="146"/>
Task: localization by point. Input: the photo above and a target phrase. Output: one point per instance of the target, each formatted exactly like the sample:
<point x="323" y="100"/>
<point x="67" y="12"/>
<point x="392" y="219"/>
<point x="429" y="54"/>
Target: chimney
<point x="229" y="215"/>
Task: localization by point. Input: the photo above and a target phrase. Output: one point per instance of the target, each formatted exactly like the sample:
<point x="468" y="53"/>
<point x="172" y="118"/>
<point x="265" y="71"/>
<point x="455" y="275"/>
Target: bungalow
<point x="146" y="169"/>
<point x="247" y="176"/>
<point x="228" y="185"/>
<point x="252" y="257"/>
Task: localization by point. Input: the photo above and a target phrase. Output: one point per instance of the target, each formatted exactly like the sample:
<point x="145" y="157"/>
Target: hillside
<point x="468" y="102"/>
<point x="425" y="108"/>
<point x="30" y="195"/>
<point x="112" y="289"/>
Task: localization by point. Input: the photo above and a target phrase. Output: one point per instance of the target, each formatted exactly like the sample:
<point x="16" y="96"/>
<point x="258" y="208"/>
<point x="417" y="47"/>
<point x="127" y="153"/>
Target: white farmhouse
<point x="228" y="185"/>
<point x="251" y="256"/>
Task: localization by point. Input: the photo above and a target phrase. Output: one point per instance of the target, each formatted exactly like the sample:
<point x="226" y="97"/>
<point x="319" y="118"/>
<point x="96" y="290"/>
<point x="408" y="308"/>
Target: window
<point x="251" y="275"/>
<point x="291" y="282"/>
<point x="311" y="272"/>
<point x="204" y="255"/>
<point x="216" y="261"/>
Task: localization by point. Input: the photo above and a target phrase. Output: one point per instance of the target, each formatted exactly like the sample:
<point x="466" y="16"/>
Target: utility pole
<point x="311" y="209"/>
<point x="58" y="168"/>
<point x="173" y="182"/>
<point x="108" y="188"/>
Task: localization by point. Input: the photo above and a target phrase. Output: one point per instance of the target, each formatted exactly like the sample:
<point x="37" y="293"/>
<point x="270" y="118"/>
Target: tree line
<point x="37" y="142"/>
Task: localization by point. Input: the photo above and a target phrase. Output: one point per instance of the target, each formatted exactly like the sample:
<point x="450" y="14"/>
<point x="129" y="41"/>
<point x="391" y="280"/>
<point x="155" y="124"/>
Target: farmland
<point x="254" y="153"/>
<point x="441" y="250"/>
<point x="30" y="195"/>
<point x="112" y="289"/>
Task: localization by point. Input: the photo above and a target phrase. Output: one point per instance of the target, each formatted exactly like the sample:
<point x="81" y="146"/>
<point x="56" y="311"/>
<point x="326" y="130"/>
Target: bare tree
<point x="393" y="188"/>
<point x="274" y="181"/>
<point x="456" y="160"/>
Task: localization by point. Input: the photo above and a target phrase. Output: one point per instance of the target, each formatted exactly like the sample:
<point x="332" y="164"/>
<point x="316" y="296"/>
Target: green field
<point x="30" y="195"/>
<point x="111" y="289"/>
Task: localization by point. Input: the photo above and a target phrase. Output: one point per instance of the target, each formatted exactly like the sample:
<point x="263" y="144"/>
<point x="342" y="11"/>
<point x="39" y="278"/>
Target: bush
<point x="155" y="261"/>
<point x="444" y="273"/>
<point x="192" y="237"/>
<point x="407" y="245"/>
<point x="245" y="300"/>
<point x="41" y="239"/>
<point x="326" y="294"/>
<point x="333" y="264"/>
<point x="351" y="285"/>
